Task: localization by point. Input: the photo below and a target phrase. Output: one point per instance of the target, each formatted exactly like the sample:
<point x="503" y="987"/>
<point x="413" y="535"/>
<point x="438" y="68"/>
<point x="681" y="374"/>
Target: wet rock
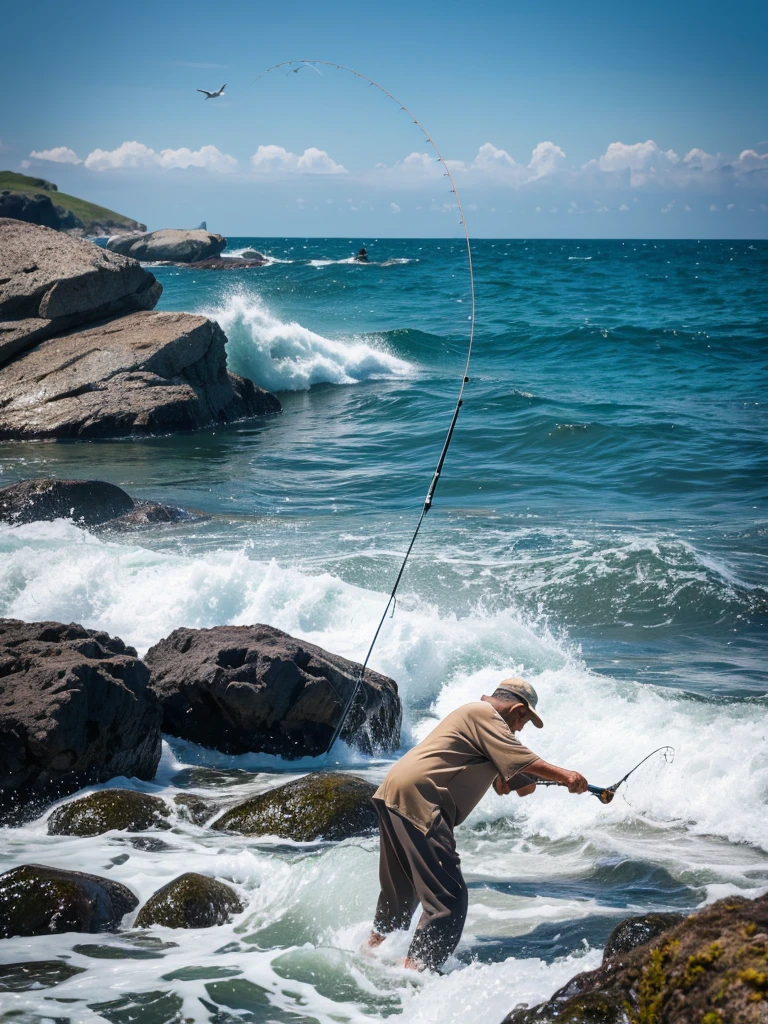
<point x="87" y="501"/>
<point x="36" y="974"/>
<point x="190" y="901"/>
<point x="253" y="254"/>
<point x="122" y="810"/>
<point x="146" y="513"/>
<point x="196" y="809"/>
<point x="147" y="373"/>
<point x="709" y="969"/>
<point x="39" y="900"/>
<point x="636" y="931"/>
<point x="324" y="805"/>
<point x="228" y="263"/>
<point x="169" y="245"/>
<point x="255" y="688"/>
<point x="149" y="844"/>
<point x="75" y="709"/>
<point x="50" y="282"/>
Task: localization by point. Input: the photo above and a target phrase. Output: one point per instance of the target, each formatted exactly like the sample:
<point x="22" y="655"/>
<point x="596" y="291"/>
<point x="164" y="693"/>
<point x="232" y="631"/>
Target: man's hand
<point x="576" y="783"/>
<point x="503" y="788"/>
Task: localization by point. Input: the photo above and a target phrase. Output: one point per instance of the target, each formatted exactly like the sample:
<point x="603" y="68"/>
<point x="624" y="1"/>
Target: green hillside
<point x="89" y="214"/>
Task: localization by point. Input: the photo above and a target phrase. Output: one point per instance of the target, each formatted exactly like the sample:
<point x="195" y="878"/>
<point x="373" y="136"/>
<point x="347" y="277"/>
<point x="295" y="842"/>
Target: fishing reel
<point x="604" y="795"/>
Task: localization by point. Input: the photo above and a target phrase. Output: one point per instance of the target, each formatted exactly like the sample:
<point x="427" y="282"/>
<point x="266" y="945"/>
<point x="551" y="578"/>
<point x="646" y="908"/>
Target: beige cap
<point x="517" y="689"/>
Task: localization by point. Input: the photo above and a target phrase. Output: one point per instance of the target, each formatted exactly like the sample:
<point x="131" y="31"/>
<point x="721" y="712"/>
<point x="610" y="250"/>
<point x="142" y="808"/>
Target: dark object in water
<point x="362" y="255"/>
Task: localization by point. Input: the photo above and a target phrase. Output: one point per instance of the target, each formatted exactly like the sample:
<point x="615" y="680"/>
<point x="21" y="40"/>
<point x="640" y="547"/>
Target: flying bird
<point x="214" y="95"/>
<point x="305" y="65"/>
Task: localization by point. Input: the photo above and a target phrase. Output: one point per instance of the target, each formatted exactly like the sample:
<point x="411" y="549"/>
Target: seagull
<point x="214" y="95"/>
<point x="304" y="64"/>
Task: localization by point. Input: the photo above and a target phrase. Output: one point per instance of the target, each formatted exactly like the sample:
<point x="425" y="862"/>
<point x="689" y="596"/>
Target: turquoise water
<point x="600" y="526"/>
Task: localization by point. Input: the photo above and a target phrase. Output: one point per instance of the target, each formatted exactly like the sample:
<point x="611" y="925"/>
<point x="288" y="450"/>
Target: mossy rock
<point x="121" y="810"/>
<point x="325" y="805"/>
<point x="190" y="901"/>
<point x="38" y="900"/>
<point x="36" y="974"/>
<point x="636" y="931"/>
<point x="592" y="1008"/>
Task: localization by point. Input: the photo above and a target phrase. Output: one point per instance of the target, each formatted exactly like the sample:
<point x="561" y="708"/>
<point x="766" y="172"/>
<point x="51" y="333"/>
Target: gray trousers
<point x="417" y="868"/>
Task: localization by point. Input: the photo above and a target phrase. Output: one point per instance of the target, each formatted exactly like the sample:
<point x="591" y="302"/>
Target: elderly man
<point x="432" y="789"/>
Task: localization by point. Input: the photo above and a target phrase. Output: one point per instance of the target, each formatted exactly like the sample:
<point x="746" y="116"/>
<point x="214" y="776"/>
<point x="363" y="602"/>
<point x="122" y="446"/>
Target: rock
<point x="38" y="900"/>
<point x="227" y="263"/>
<point x="190" y="901"/>
<point x="75" y="709"/>
<point x="36" y="974"/>
<point x="145" y="513"/>
<point x="173" y="245"/>
<point x="50" y="282"/>
<point x="123" y="810"/>
<point x="196" y="809"/>
<point x="636" y="931"/>
<point x="87" y="501"/>
<point x="255" y="688"/>
<point x="149" y="372"/>
<point x="34" y="209"/>
<point x="324" y="805"/>
<point x="253" y="254"/>
<point x="709" y="969"/>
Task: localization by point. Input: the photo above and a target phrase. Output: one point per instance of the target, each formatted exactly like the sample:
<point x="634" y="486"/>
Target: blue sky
<point x="559" y="119"/>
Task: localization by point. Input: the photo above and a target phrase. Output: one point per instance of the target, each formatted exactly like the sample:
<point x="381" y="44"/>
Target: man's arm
<point x="575" y="782"/>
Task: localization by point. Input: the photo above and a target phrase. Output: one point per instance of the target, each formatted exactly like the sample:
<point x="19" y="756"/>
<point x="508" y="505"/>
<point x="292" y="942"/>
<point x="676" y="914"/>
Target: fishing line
<point x="606" y="793"/>
<point x="296" y="65"/>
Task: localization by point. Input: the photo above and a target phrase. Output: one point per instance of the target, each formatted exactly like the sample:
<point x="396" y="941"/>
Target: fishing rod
<point x="606" y="793"/>
<point x="296" y="65"/>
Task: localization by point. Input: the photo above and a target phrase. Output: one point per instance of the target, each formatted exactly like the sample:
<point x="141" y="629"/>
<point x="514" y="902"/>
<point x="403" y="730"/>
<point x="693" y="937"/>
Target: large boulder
<point x="324" y="805"/>
<point x="50" y="282"/>
<point x="190" y="901"/>
<point x="709" y="969"/>
<point x="88" y="501"/>
<point x="636" y="931"/>
<point x="255" y="688"/>
<point x="39" y="900"/>
<point x="75" y="709"/>
<point x="148" y="372"/>
<point x="169" y="245"/>
<point x="123" y="810"/>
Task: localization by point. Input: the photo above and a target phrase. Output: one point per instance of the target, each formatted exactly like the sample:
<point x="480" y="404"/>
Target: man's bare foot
<point x="414" y="965"/>
<point x="373" y="941"/>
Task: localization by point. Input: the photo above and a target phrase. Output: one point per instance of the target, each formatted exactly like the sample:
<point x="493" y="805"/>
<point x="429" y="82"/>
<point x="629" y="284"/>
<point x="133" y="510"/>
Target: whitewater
<point x="600" y="529"/>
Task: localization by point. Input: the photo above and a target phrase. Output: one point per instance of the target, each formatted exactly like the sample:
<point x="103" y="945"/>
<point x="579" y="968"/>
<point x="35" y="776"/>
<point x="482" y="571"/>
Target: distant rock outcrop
<point x="130" y="373"/>
<point x="38" y="201"/>
<point x="169" y="245"/>
<point x="34" y="209"/>
<point x="75" y="708"/>
<point x="50" y="282"/>
<point x="38" y="900"/>
<point x="255" y="688"/>
<point x="323" y="805"/>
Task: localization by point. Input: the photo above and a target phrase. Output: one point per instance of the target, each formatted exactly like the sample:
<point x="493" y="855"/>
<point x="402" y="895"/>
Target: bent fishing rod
<point x="296" y="65"/>
<point x="606" y="793"/>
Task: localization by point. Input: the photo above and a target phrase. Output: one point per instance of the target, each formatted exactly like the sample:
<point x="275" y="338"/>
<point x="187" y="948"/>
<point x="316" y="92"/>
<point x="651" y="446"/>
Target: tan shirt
<point x="450" y="771"/>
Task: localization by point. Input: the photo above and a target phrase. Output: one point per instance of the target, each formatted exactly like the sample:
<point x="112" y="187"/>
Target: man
<point x="431" y="790"/>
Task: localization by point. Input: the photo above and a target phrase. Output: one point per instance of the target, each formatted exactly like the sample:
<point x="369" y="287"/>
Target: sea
<point x="600" y="527"/>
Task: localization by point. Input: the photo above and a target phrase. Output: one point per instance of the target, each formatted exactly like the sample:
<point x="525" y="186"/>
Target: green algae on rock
<point x="120" y="809"/>
<point x="190" y="901"/>
<point x="324" y="805"/>
<point x="39" y="900"/>
<point x="712" y="968"/>
<point x="36" y="974"/>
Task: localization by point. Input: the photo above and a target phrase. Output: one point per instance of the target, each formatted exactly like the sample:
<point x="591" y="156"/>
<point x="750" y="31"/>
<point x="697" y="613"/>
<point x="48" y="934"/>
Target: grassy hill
<point x="92" y="217"/>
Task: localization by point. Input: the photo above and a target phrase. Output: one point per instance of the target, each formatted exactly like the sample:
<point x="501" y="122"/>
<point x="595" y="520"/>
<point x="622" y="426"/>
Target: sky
<point x="560" y="119"/>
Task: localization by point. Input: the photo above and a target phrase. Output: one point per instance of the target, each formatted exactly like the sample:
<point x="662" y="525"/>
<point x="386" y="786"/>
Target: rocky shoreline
<point x="84" y="354"/>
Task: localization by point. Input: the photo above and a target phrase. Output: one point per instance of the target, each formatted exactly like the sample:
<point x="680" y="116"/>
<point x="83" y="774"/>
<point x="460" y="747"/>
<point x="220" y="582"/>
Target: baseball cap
<point x="517" y="689"/>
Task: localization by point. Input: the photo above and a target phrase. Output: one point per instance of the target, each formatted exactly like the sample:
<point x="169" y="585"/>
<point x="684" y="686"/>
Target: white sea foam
<point x="286" y="356"/>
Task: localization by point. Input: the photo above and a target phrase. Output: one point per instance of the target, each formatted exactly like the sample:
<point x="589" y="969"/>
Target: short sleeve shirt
<point x="451" y="769"/>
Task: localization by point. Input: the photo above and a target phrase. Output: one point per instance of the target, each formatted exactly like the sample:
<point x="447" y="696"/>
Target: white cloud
<point x="730" y="206"/>
<point x="136" y="155"/>
<point x="623" y="208"/>
<point x="57" y="155"/>
<point x="394" y="208"/>
<point x="277" y="160"/>
<point x="713" y="208"/>
<point x="668" y="208"/>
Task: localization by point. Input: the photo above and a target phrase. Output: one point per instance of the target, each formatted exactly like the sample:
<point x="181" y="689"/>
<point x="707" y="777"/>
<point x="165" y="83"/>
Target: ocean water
<point x="600" y="527"/>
